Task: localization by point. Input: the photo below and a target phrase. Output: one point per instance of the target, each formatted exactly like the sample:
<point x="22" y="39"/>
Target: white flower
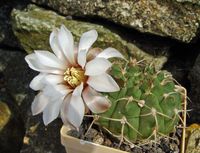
<point x="69" y="79"/>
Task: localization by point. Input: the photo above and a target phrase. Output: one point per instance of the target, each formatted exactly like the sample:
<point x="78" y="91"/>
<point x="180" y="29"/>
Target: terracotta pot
<point x="74" y="145"/>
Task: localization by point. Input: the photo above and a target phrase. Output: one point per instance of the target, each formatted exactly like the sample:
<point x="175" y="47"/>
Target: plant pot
<point x="75" y="145"/>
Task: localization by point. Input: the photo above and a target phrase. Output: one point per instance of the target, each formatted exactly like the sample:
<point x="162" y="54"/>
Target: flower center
<point x="74" y="76"/>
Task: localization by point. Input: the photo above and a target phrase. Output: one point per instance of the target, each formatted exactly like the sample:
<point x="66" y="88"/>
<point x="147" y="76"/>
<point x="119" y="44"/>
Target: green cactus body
<point x="149" y="101"/>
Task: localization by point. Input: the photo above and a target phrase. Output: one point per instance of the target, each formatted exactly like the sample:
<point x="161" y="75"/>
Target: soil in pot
<point x="102" y="137"/>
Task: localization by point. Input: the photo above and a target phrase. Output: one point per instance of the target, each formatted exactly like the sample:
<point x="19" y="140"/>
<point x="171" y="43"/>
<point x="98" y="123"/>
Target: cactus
<point x="147" y="106"/>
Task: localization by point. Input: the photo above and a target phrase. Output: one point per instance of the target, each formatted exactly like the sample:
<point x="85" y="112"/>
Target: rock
<point x="98" y="139"/>
<point x="41" y="139"/>
<point x="191" y="1"/>
<point x="11" y="135"/>
<point x="4" y="115"/>
<point x="180" y="62"/>
<point x="192" y="139"/>
<point x="6" y="56"/>
<point x="91" y="134"/>
<point x="194" y="94"/>
<point x="33" y="26"/>
<point x="14" y="81"/>
<point x="17" y="76"/>
<point x="108" y="142"/>
<point x="165" y="18"/>
<point x="12" y="130"/>
<point x="7" y="37"/>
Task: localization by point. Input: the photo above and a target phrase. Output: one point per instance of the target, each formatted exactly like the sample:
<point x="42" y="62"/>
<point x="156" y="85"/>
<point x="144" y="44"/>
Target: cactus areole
<point x="147" y="105"/>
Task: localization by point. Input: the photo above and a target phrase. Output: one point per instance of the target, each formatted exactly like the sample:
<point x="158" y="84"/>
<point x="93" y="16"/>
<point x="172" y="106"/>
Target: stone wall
<point x="164" y="32"/>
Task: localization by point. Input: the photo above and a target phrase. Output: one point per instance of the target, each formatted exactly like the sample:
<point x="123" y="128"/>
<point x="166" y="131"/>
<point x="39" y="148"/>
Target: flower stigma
<point x="74" y="76"/>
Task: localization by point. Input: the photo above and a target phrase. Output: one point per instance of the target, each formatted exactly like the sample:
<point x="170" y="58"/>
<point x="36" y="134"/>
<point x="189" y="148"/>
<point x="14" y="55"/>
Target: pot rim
<point x="65" y="137"/>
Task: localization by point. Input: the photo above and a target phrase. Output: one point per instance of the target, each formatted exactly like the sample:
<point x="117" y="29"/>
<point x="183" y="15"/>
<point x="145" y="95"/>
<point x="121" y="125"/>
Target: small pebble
<point x="136" y="150"/>
<point x="98" y="139"/>
<point x="127" y="148"/>
<point x="73" y="133"/>
<point x="91" y="133"/>
<point x="107" y="142"/>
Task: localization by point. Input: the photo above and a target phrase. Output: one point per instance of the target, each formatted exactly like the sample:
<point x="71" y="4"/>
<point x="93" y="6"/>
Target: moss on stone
<point x="33" y="25"/>
<point x="5" y="114"/>
<point x="190" y="1"/>
<point x="161" y="17"/>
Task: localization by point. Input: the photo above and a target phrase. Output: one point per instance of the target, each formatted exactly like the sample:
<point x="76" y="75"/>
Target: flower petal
<point x="86" y="41"/>
<point x="95" y="101"/>
<point x="56" y="95"/>
<point x="54" y="91"/>
<point x="92" y="53"/>
<point x="49" y="59"/>
<point x="36" y="83"/>
<point x="97" y="66"/>
<point x="70" y="113"/>
<point x="82" y="58"/>
<point x="52" y="110"/>
<point x="74" y="110"/>
<point x="103" y="83"/>
<point x="66" y="42"/>
<point x="53" y="41"/>
<point x="64" y="109"/>
<point x="78" y="90"/>
<point x="53" y="79"/>
<point x="109" y="53"/>
<point x="43" y="79"/>
<point x="35" y="64"/>
<point x="39" y="103"/>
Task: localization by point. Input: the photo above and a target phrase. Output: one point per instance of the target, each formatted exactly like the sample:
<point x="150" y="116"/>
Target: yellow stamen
<point x="74" y="76"/>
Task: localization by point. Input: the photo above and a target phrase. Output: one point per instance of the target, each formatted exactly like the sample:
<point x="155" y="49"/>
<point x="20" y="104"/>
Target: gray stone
<point x="11" y="135"/>
<point x="33" y="26"/>
<point x="12" y="131"/>
<point x="41" y="139"/>
<point x="17" y="74"/>
<point x="6" y="56"/>
<point x="6" y="35"/>
<point x="161" y="17"/>
<point x="5" y="115"/>
<point x="194" y="94"/>
<point x="190" y="1"/>
<point x="192" y="137"/>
